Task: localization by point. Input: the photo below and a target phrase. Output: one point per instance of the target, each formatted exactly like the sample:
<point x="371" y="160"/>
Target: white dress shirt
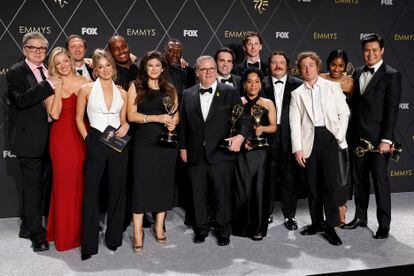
<point x="206" y="99"/>
<point x="278" y="90"/>
<point x="366" y="77"/>
<point x="315" y="93"/>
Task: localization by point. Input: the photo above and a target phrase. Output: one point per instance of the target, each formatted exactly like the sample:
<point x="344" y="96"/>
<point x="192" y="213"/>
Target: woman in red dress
<point x="67" y="152"/>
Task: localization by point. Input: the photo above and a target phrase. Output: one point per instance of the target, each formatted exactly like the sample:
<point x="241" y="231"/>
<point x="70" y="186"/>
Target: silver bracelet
<point x="145" y="118"/>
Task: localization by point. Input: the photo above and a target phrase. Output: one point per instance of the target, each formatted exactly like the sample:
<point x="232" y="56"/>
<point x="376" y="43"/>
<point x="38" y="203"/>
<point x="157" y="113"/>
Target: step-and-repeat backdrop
<point x="204" y="26"/>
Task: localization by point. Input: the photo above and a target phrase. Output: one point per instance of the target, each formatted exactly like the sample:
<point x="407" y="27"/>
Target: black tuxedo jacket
<point x="291" y="84"/>
<point x="181" y="78"/>
<point x="239" y="68"/>
<point x="199" y="137"/>
<point x="374" y="113"/>
<point x="27" y="113"/>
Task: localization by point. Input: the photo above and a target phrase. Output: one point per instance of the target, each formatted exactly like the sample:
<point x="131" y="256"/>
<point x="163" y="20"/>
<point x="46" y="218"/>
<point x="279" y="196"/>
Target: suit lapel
<point x="375" y="79"/>
<point x="270" y="93"/>
<point x="215" y="102"/>
<point x="29" y="75"/>
<point x="286" y="93"/>
<point x="307" y="102"/>
<point x="195" y="97"/>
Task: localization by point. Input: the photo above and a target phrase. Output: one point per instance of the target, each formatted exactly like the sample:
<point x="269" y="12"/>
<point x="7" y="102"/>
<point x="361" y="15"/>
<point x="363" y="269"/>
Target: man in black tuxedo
<point x="284" y="170"/>
<point x="27" y="90"/>
<point x="252" y="45"/>
<point x="126" y="69"/>
<point x="224" y="58"/>
<point x="205" y="114"/>
<point x="375" y="102"/>
<point x="76" y="45"/>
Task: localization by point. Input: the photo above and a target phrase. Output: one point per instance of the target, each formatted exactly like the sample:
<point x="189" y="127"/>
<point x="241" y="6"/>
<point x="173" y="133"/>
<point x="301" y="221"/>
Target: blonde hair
<point x="98" y="54"/>
<point x="52" y="65"/>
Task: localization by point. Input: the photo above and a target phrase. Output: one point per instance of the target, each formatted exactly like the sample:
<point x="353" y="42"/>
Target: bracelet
<point x="145" y="118"/>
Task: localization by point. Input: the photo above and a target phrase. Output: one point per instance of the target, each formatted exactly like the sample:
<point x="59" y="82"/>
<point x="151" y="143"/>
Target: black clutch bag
<point x="110" y="139"/>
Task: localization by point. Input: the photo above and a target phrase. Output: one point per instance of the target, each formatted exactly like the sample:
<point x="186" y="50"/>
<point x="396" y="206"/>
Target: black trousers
<point x="212" y="183"/>
<point x="376" y="165"/>
<point x="321" y="171"/>
<point x="33" y="192"/>
<point x="99" y="157"/>
<point x="282" y="179"/>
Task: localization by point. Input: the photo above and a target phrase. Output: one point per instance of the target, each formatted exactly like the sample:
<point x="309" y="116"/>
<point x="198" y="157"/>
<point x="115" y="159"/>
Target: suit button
<point x="204" y="143"/>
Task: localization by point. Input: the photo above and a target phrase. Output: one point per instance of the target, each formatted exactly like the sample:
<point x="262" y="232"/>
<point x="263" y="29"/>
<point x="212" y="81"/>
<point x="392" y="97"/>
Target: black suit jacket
<point x="197" y="135"/>
<point x="181" y="78"/>
<point x="239" y="68"/>
<point x="27" y="113"/>
<point x="237" y="84"/>
<point x="291" y="84"/>
<point x="374" y="113"/>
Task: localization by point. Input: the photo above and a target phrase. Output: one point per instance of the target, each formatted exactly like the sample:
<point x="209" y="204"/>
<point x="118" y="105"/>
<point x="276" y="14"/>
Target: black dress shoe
<point x="356" y="222"/>
<point x="311" y="230"/>
<point x="382" y="233"/>
<point x="85" y="257"/>
<point x="112" y="248"/>
<point x="199" y="237"/>
<point x="24" y="233"/>
<point x="39" y="244"/>
<point x="223" y="241"/>
<point x="332" y="237"/>
<point x="291" y="224"/>
<point x="270" y="219"/>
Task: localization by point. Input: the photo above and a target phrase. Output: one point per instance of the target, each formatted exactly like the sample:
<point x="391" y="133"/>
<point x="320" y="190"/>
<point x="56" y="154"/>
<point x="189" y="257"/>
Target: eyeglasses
<point x="207" y="70"/>
<point x="34" y="49"/>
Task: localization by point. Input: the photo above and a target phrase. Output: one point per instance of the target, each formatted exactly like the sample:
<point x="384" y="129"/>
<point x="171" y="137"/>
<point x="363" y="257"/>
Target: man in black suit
<point x="27" y="90"/>
<point x="76" y="45"/>
<point x="182" y="77"/>
<point x="205" y="113"/>
<point x="375" y="102"/>
<point x="252" y="45"/>
<point x="284" y="170"/>
<point x="224" y="58"/>
<point x="126" y="69"/>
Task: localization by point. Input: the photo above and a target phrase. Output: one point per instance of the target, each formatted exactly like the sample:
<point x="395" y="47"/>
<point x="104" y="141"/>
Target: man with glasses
<point x="205" y="113"/>
<point x="28" y="87"/>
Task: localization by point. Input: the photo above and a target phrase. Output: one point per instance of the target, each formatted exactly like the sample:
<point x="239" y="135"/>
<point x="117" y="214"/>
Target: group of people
<point x="247" y="134"/>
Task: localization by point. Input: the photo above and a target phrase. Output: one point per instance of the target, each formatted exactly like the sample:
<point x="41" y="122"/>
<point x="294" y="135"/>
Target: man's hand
<point x="384" y="147"/>
<point x="235" y="142"/>
<point x="300" y="159"/>
<point x="183" y="155"/>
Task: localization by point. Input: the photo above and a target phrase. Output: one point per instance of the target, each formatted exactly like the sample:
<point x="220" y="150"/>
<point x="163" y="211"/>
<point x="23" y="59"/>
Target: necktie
<point x="256" y="64"/>
<point x="209" y="90"/>
<point x="366" y="69"/>
<point x="278" y="81"/>
<point x="227" y="80"/>
<point x="80" y="72"/>
<point x="41" y="72"/>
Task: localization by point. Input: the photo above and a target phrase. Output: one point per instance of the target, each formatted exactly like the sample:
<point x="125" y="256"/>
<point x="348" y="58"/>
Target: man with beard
<point x="76" y="45"/>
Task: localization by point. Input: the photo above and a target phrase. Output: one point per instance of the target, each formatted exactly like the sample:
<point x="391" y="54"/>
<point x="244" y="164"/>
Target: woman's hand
<point x="122" y="130"/>
<point x="258" y="130"/>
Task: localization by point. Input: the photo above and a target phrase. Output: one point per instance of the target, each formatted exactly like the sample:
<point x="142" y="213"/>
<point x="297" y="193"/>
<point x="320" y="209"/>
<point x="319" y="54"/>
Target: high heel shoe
<point x="161" y="240"/>
<point x="138" y="248"/>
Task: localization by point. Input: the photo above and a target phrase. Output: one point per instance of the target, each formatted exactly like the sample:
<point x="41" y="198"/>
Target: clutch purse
<point x="110" y="139"/>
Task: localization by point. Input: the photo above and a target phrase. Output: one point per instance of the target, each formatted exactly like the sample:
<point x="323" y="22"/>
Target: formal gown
<point x="67" y="153"/>
<point x="251" y="192"/>
<point x="154" y="164"/>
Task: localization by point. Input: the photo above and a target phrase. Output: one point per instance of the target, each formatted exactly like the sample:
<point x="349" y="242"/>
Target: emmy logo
<point x="109" y="135"/>
<point x="261" y="5"/>
<point x="236" y="112"/>
<point x="61" y="3"/>
<point x="169" y="138"/>
<point x="367" y="146"/>
<point x="257" y="142"/>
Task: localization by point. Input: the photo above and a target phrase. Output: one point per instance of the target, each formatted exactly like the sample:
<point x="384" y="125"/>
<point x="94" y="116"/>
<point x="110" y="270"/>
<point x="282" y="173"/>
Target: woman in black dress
<point x="251" y="190"/>
<point x="153" y="163"/>
<point x="337" y="63"/>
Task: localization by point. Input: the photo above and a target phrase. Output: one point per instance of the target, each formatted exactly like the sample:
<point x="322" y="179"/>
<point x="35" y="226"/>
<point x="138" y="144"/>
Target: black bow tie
<point x="227" y="80"/>
<point x="256" y="64"/>
<point x="278" y="81"/>
<point x="209" y="90"/>
<point x="80" y="72"/>
<point x="366" y="69"/>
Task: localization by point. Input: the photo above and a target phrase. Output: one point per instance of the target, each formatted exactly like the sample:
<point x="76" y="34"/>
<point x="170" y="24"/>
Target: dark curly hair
<point x="141" y="83"/>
